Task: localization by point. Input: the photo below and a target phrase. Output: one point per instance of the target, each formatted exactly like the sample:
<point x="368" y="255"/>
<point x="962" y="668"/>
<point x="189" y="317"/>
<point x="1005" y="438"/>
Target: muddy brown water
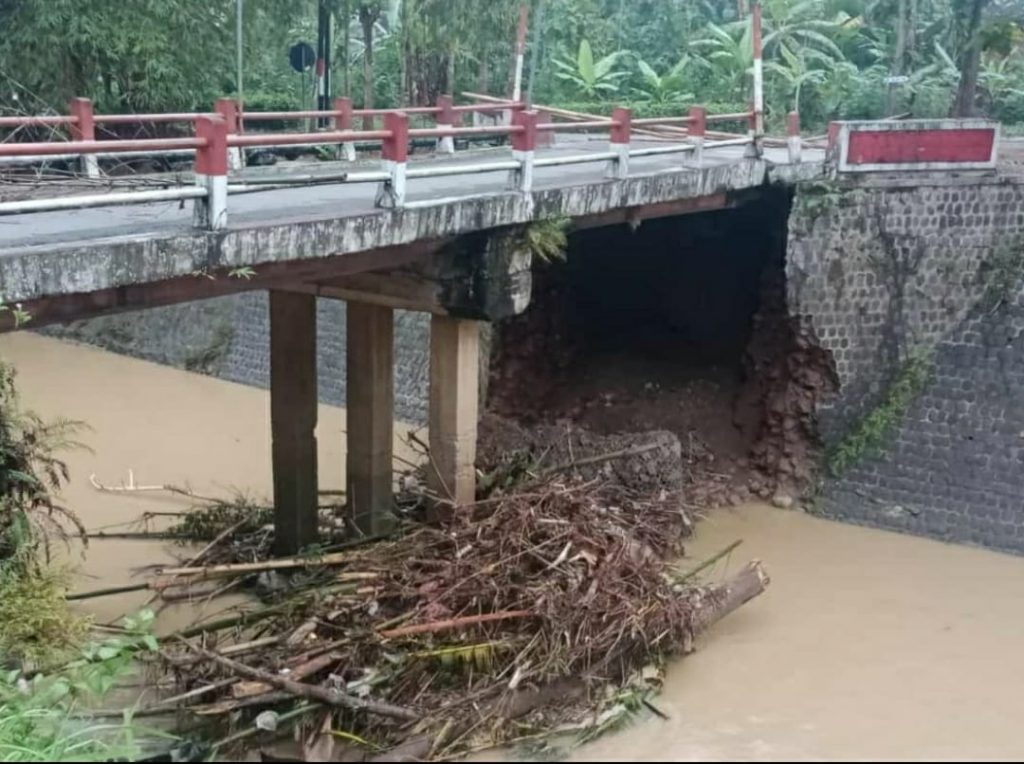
<point x="868" y="645"/>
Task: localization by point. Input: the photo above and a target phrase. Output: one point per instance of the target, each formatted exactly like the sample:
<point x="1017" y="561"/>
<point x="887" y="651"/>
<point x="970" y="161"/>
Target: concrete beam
<point x="293" y="417"/>
<point x="486" y="277"/>
<point x="454" y="401"/>
<point x="370" y="399"/>
<point x="215" y="283"/>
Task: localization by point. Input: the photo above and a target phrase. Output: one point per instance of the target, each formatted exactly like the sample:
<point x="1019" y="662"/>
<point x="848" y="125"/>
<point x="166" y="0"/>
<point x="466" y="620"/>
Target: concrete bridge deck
<point x="47" y="254"/>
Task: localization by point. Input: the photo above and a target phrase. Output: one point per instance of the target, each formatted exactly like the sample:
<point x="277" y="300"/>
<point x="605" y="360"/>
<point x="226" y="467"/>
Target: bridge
<point x="441" y="232"/>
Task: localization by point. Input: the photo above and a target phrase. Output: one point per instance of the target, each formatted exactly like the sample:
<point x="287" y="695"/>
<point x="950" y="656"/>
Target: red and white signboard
<point x="920" y="144"/>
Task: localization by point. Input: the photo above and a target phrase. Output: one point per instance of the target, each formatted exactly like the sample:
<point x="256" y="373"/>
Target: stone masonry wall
<point x="893" y="278"/>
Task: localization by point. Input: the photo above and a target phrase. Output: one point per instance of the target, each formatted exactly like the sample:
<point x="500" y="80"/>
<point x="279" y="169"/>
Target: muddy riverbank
<point x="868" y="645"/>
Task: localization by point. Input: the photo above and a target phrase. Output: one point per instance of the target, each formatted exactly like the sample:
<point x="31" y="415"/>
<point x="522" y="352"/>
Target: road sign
<point x="302" y="56"/>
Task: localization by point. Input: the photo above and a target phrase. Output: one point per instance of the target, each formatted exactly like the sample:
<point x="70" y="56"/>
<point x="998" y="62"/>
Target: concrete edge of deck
<point x="29" y="273"/>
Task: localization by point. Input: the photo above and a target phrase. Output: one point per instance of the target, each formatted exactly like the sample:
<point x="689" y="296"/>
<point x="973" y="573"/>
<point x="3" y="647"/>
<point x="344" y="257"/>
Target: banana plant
<point x="796" y="72"/>
<point x="665" y="88"/>
<point x="801" y="25"/>
<point x="728" y="54"/>
<point x="592" y="79"/>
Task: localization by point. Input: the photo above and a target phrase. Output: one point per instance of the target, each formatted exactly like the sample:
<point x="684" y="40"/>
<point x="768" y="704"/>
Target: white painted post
<point x="342" y="123"/>
<point x="84" y="129"/>
<point x="395" y="153"/>
<point x="793" y="137"/>
<point x="622" y="120"/>
<point x="524" y="146"/>
<point x="446" y="117"/>
<point x="228" y="109"/>
<point x="211" y="173"/>
<point x="757" y="121"/>
<point x="697" y="130"/>
<point x="524" y="18"/>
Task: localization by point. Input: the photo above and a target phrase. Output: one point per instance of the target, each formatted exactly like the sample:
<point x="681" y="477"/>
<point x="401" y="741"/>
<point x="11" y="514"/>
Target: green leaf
<point x="649" y="74"/>
<point x="585" y="62"/>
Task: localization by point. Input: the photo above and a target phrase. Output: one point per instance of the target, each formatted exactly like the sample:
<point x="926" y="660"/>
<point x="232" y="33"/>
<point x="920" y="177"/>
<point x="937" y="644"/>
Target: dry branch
<point x="313" y="693"/>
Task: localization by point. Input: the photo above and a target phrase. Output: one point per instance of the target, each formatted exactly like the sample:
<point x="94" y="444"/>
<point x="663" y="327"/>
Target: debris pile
<point x="529" y="610"/>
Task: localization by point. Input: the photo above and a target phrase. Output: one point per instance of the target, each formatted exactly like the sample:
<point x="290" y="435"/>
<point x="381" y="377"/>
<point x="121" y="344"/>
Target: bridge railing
<point x="82" y="123"/>
<point x="218" y="141"/>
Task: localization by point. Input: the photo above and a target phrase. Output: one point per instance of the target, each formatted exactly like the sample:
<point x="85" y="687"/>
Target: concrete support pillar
<point x="293" y="415"/>
<point x="454" y="399"/>
<point x="370" y="400"/>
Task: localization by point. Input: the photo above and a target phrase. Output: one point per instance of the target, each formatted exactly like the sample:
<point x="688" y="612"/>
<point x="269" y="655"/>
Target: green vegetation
<point x="1002" y="274"/>
<point x="831" y="58"/>
<point x="46" y="717"/>
<point x="36" y="624"/>
<point x="547" y="239"/>
<point x="30" y="473"/>
<point x="869" y="434"/>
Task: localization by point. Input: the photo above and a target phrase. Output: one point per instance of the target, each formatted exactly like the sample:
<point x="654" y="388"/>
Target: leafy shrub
<point x="46" y="717"/>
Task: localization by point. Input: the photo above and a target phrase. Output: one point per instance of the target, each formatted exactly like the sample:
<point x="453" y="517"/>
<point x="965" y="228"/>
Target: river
<point x="868" y="645"/>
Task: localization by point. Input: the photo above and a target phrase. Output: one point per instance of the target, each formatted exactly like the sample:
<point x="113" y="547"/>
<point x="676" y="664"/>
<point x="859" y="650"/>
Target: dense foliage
<point x="832" y="58"/>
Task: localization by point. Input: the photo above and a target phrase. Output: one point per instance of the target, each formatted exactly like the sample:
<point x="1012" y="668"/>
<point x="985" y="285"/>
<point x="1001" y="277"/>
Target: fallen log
<point x="711" y="604"/>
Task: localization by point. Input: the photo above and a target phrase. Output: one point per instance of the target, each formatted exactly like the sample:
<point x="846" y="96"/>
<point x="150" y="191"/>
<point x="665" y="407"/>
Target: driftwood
<point x="712" y="604"/>
<point x="454" y="623"/>
<point x="513" y="705"/>
<point x="297" y="674"/>
<point x="289" y="563"/>
<point x="313" y="693"/>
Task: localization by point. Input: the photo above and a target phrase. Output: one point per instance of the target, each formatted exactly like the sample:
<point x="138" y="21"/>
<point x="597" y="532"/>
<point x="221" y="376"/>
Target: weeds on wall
<point x="1002" y="274"/>
<point x="818" y="198"/>
<point x="871" y="432"/>
<point x="547" y="239"/>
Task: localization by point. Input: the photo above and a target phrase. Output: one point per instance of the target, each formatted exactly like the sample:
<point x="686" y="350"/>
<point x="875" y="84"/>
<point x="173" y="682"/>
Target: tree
<point x="968" y="15"/>
<point x="369" y="12"/>
<point x="125" y="56"/>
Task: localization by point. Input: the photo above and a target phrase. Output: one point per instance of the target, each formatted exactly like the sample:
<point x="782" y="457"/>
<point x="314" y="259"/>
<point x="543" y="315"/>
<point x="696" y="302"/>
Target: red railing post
<point x="395" y="153"/>
<point x="697" y="130"/>
<point x="227" y="108"/>
<point x="793" y="137"/>
<point x="343" y="121"/>
<point x="446" y="117"/>
<point x="84" y="129"/>
<point x="524" y="146"/>
<point x="622" y="120"/>
<point x="212" y="172"/>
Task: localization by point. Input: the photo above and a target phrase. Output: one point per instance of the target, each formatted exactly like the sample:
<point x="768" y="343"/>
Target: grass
<point x="36" y="624"/>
